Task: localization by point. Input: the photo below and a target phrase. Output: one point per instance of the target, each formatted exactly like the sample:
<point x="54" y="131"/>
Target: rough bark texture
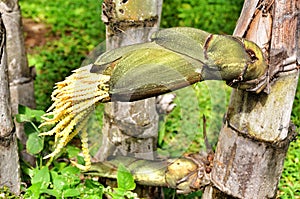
<point x="21" y="82"/>
<point x="254" y="139"/>
<point x="130" y="128"/>
<point x="9" y="159"/>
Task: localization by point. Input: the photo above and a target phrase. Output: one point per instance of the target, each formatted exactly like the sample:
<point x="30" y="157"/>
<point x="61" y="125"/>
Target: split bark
<point x="130" y="129"/>
<point x="256" y="132"/>
<point x="9" y="159"/>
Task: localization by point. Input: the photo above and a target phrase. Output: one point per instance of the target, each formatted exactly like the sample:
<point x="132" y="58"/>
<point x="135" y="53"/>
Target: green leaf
<point x="58" y="166"/>
<point x="59" y="182"/>
<point x="92" y="184"/>
<point x="80" y="159"/>
<point x="72" y="151"/>
<point x="70" y="170"/>
<point x="52" y="192"/>
<point x="71" y="193"/>
<point x="41" y="176"/>
<point x="125" y="179"/>
<point x="71" y="175"/>
<point x="35" y="143"/>
<point x="34" y="190"/>
<point x="92" y="188"/>
<point x="118" y="193"/>
<point x="27" y="114"/>
<point x="23" y="118"/>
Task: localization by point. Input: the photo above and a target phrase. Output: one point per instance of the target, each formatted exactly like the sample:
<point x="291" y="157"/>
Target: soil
<point x="36" y="34"/>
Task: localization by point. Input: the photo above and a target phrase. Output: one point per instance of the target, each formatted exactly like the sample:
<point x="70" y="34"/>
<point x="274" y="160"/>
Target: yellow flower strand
<point x="73" y="101"/>
<point x="64" y="134"/>
<point x="85" y="151"/>
<point x="77" y="130"/>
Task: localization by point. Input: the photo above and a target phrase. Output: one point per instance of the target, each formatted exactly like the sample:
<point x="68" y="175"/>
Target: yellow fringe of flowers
<point x="74" y="101"/>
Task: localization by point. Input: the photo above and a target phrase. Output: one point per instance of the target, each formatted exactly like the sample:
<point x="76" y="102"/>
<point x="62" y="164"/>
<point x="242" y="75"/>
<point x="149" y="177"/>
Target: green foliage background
<point x="215" y="16"/>
<point x="77" y="28"/>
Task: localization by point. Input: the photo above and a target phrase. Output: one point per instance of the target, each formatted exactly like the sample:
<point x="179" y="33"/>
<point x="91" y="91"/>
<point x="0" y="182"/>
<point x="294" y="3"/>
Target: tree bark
<point x="130" y="129"/>
<point x="255" y="135"/>
<point x="9" y="159"/>
<point x="21" y="82"/>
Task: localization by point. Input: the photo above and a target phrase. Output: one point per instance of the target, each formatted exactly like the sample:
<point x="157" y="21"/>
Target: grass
<point x="289" y="185"/>
<point x="182" y="130"/>
<point x="77" y="29"/>
<point x="215" y="16"/>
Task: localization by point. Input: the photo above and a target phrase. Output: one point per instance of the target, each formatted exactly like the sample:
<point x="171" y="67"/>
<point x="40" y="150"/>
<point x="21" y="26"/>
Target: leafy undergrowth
<point x="58" y="178"/>
<point x="65" y="181"/>
<point x="61" y="181"/>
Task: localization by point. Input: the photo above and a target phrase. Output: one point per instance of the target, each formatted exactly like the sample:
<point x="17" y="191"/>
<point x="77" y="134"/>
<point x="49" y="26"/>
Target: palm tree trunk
<point x="130" y="128"/>
<point x="21" y="82"/>
<point x="256" y="132"/>
<point x="9" y="159"/>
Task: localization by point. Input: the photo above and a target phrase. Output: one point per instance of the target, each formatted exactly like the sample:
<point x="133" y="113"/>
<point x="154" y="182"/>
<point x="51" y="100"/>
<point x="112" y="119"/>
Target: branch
<point x="176" y="58"/>
<point x="186" y="174"/>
